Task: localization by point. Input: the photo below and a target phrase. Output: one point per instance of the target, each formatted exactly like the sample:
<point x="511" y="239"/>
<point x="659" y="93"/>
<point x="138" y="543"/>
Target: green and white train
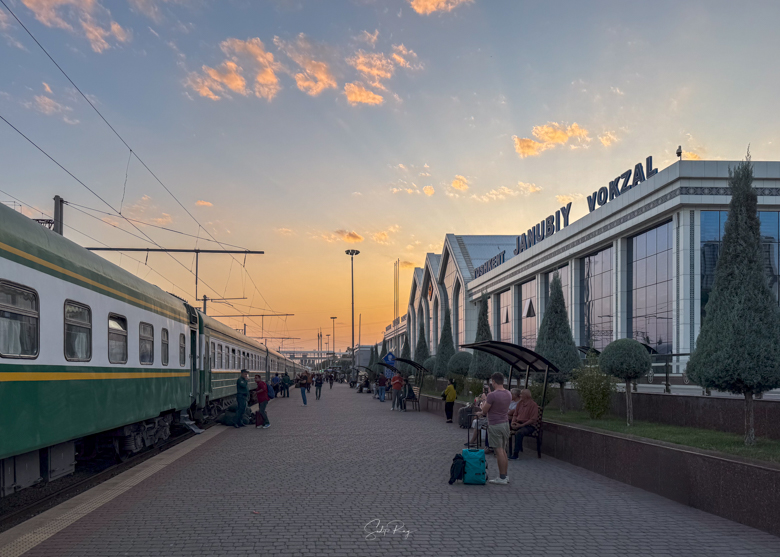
<point x="91" y="354"/>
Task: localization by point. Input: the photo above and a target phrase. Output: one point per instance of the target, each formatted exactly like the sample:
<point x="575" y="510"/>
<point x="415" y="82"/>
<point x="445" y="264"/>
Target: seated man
<point x="479" y="423"/>
<point x="523" y="420"/>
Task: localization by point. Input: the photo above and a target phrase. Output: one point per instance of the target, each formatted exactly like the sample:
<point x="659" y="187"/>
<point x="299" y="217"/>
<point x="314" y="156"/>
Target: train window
<point x="117" y="339"/>
<point x="182" y="350"/>
<point x="146" y="344"/>
<point x="219" y="356"/>
<point x="78" y="332"/>
<point x="213" y="356"/>
<point x="18" y="321"/>
<point x="232" y="358"/>
<point x="165" y="352"/>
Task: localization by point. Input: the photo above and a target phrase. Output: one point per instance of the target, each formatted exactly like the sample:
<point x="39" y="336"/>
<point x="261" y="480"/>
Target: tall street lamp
<point x="333" y="320"/>
<point x="352" y="253"/>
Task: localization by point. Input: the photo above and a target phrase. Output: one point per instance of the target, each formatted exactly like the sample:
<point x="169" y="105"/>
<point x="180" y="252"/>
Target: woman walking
<point x="450" y="394"/>
<point x="318" y="385"/>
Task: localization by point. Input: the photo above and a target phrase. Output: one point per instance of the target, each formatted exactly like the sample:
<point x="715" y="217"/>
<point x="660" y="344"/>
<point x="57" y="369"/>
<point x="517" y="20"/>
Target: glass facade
<point x="713" y="225"/>
<point x="563" y="273"/>
<point x="505" y="316"/>
<point x="528" y="314"/>
<point x="650" y="310"/>
<point x="596" y="283"/>
<point x="454" y="301"/>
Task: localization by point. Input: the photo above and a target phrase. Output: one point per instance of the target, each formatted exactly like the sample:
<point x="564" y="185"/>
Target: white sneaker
<point x="499" y="481"/>
<point x="266" y="426"/>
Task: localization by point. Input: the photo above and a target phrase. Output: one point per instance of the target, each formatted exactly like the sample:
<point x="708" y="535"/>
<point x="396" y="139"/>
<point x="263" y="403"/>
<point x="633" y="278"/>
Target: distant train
<point x="91" y="354"/>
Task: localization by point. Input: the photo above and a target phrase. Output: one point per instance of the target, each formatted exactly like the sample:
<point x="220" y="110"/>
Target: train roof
<point x="28" y="243"/>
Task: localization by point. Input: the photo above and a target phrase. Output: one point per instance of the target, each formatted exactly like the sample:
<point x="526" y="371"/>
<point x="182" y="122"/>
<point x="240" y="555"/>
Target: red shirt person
<point x="262" y="399"/>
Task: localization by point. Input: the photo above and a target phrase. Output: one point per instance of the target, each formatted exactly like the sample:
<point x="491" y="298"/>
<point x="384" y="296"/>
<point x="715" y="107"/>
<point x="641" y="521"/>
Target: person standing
<point x="286" y="382"/>
<point x="242" y="394"/>
<point x="330" y="380"/>
<point x="276" y="383"/>
<point x="381" y="383"/>
<point x="495" y="408"/>
<point x="303" y="385"/>
<point x="450" y="394"/>
<point x="398" y="385"/>
<point x="262" y="399"/>
<point x="318" y="385"/>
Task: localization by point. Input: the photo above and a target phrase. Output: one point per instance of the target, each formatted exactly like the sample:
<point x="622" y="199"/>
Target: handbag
<point x="443" y="396"/>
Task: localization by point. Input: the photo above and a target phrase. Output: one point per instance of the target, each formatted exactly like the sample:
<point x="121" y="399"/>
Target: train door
<point x="208" y="361"/>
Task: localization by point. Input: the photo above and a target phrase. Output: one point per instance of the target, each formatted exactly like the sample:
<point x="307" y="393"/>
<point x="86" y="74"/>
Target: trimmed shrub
<point x="483" y="365"/>
<point x="536" y="389"/>
<point x="595" y="389"/>
<point x="406" y="353"/>
<point x="421" y="352"/>
<point x="429" y="364"/>
<point x="626" y="359"/>
<point x="474" y="386"/>
<point x="459" y="364"/>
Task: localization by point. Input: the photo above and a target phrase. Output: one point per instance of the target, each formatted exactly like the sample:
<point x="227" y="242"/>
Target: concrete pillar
<point x="575" y="304"/>
<point x="621" y="301"/>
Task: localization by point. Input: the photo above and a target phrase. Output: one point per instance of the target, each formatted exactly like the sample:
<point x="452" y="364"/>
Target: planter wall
<point x="705" y="412"/>
<point x="741" y="491"/>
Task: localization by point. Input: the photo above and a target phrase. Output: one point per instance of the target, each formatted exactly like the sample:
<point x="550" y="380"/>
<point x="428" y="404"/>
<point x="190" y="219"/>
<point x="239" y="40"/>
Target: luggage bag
<point x="475" y="469"/>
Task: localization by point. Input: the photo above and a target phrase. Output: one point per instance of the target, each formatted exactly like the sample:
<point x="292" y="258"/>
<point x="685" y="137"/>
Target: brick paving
<point x="321" y="473"/>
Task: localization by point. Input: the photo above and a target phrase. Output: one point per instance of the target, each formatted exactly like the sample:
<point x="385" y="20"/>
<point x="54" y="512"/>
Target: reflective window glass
<point x="117" y="339"/>
<point x="78" y="332"/>
<point x="18" y="322"/>
<point x="165" y="352"/>
<point x="146" y="344"/>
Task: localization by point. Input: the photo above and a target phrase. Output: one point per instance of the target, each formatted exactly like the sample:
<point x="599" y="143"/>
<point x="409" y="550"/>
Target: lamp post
<point x="333" y="320"/>
<point x="352" y="253"/>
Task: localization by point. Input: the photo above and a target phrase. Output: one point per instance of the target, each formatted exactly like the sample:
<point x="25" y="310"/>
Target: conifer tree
<point x="483" y="365"/>
<point x="626" y="359"/>
<point x="421" y="352"/>
<point x="406" y="353"/>
<point x="555" y="341"/>
<point x="372" y="361"/>
<point x="446" y="349"/>
<point x="738" y="350"/>
<point x="384" y="350"/>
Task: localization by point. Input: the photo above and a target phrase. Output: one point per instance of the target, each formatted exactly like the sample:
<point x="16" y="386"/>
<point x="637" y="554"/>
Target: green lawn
<point x="730" y="443"/>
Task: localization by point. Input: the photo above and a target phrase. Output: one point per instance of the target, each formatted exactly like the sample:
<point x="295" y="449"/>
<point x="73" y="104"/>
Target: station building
<point x="639" y="265"/>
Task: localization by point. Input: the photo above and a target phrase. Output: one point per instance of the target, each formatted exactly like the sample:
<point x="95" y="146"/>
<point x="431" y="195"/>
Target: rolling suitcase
<point x="475" y="465"/>
<point x="464" y="417"/>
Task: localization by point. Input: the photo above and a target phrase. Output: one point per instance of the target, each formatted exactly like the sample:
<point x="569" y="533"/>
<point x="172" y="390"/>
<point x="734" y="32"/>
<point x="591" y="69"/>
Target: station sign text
<point x="615" y="188"/>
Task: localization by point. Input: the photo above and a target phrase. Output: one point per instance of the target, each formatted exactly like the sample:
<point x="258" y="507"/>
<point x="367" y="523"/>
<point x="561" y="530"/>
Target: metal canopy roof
<point x="513" y="355"/>
<point x="412" y="363"/>
<point x="388" y="366"/>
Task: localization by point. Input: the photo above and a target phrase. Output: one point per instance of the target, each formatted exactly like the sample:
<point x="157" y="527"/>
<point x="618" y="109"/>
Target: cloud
<point x="356" y="193"/>
<point x="228" y="74"/>
<point x="151" y="8"/>
<point x="608" y="138"/>
<point x="253" y="55"/>
<point x="369" y="38"/>
<point x="568" y="198"/>
<point x="94" y="20"/>
<point x="527" y="188"/>
<point x="285" y="231"/>
<point x="373" y="66"/>
<point x="357" y="94"/>
<point x="47" y="88"/>
<point x="401" y="56"/>
<point x="349" y="236"/>
<point x="50" y="107"/>
<point x="201" y="203"/>
<point x="401" y="166"/>
<point x="547" y="137"/>
<point x="425" y="174"/>
<point x="427" y="7"/>
<point x="617" y="91"/>
<point x="428" y="190"/>
<point x="690" y="156"/>
<point x="407" y="265"/>
<point x="460" y="183"/>
<point x="145" y="210"/>
<point x="316" y="75"/>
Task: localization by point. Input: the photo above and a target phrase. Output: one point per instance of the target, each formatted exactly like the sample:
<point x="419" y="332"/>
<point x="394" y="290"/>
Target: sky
<point x="306" y="128"/>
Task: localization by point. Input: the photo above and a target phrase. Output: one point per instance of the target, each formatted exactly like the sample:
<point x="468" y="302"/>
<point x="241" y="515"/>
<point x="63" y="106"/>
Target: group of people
<point x="402" y="390"/>
<point x="280" y="386"/>
<point x="503" y="412"/>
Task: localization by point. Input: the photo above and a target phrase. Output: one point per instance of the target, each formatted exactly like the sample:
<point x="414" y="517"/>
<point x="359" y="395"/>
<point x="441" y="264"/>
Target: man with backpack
<point x="264" y="394"/>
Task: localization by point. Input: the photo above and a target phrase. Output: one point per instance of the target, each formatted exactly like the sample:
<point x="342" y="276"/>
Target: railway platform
<point x="346" y="476"/>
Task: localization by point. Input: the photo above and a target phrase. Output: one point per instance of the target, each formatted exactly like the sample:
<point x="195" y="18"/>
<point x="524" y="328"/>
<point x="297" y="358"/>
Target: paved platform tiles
<point x="311" y="483"/>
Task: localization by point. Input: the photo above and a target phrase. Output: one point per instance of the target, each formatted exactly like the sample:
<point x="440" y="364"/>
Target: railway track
<point x="17" y="516"/>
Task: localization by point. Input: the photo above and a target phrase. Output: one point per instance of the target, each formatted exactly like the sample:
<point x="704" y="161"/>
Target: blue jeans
<point x="318" y="391"/>
<point x="286" y="391"/>
<point x="303" y="395"/>
<point x="382" y="394"/>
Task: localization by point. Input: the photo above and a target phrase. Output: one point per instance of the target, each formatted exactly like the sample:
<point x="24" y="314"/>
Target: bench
<point x="536" y="434"/>
<point x="416" y="401"/>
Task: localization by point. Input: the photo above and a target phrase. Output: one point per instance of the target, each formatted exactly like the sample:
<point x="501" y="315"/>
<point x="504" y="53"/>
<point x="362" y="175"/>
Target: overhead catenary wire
<point x="125" y="143"/>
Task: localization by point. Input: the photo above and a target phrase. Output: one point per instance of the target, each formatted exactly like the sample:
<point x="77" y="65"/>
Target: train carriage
<point x="89" y="350"/>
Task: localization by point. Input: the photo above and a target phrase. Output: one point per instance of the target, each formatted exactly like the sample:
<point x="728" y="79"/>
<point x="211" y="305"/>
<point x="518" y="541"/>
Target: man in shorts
<point x="495" y="408"/>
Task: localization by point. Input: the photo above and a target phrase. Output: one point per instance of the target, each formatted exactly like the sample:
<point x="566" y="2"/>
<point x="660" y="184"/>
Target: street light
<point x="352" y="253"/>
<point x="333" y="320"/>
